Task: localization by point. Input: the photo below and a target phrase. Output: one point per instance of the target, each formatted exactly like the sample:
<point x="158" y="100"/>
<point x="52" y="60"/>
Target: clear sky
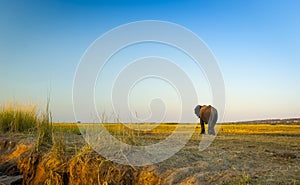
<point x="256" y="44"/>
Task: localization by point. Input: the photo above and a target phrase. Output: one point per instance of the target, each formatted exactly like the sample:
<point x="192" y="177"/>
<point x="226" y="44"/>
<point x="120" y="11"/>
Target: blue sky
<point x="256" y="44"/>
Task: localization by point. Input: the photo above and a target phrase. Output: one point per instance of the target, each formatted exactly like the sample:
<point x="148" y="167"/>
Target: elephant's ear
<point x="197" y="110"/>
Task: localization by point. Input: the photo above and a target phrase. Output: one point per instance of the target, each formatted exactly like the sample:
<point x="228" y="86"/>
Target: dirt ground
<point x="231" y="159"/>
<point x="237" y="159"/>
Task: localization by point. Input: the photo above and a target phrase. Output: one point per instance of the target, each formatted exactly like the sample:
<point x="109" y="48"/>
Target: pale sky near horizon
<point x="256" y="44"/>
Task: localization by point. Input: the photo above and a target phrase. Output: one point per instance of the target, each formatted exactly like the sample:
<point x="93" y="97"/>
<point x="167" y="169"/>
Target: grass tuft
<point x="22" y="118"/>
<point x="45" y="130"/>
<point x="16" y="117"/>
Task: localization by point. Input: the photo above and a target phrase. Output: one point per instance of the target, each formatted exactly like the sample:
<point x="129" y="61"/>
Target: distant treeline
<point x="269" y="121"/>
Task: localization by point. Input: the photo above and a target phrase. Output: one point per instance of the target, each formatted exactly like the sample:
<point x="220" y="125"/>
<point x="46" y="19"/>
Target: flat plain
<point x="239" y="154"/>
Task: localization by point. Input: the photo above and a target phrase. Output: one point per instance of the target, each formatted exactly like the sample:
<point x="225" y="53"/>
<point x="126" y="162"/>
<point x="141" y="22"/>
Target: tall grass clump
<point x="45" y="129"/>
<point x="16" y="117"/>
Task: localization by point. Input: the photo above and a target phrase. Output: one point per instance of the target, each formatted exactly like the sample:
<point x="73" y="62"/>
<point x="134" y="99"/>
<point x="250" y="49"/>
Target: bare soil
<point x="237" y="159"/>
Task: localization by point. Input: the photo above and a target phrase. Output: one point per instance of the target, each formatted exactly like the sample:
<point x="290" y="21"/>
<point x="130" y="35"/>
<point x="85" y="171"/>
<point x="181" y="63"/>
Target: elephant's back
<point x="205" y="112"/>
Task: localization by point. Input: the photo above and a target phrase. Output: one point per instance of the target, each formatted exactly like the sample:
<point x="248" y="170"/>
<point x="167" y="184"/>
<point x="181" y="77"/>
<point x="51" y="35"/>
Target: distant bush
<point x="15" y="117"/>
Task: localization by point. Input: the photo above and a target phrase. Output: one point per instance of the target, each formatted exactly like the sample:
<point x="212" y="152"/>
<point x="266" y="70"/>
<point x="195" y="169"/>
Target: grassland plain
<point x="240" y="154"/>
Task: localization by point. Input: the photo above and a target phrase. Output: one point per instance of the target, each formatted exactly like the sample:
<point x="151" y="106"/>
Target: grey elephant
<point x="207" y="115"/>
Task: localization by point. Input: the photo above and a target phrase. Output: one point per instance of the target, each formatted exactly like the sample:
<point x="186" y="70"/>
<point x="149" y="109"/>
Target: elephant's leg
<point x="202" y="127"/>
<point x="211" y="129"/>
<point x="211" y="124"/>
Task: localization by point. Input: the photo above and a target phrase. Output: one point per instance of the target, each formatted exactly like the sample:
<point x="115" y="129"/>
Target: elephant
<point x="207" y="115"/>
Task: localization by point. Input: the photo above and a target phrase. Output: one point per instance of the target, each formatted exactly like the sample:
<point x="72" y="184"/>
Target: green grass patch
<point x="24" y="118"/>
<point x="16" y="117"/>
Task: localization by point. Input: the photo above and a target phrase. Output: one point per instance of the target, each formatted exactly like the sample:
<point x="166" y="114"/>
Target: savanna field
<point x="33" y="150"/>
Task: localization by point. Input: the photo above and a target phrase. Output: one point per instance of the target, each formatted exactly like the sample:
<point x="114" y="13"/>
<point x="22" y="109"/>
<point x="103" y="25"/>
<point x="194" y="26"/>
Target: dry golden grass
<point x="260" y="129"/>
<point x="86" y="167"/>
<point x="165" y="128"/>
<point x="235" y="157"/>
